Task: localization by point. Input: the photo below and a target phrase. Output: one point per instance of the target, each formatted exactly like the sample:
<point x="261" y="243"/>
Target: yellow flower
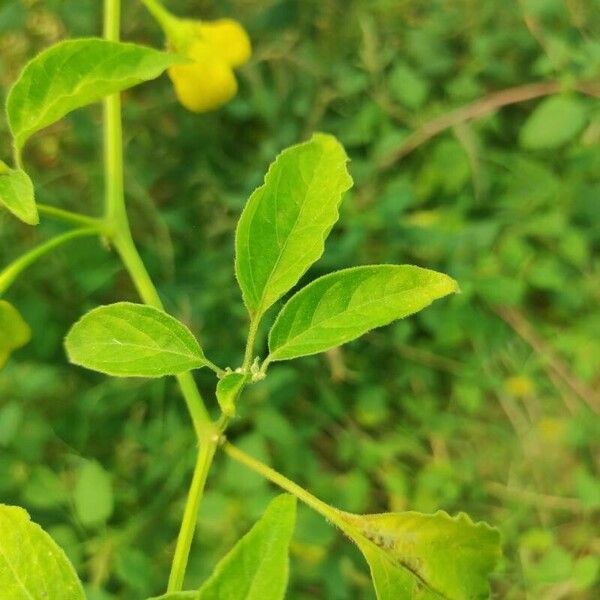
<point x="204" y="84"/>
<point x="228" y="38"/>
<point x="216" y="48"/>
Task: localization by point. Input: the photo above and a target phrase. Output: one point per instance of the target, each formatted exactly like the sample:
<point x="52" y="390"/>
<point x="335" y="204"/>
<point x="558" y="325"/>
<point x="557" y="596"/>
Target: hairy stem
<point x="254" y="323"/>
<point x="12" y="271"/>
<point x="188" y="525"/>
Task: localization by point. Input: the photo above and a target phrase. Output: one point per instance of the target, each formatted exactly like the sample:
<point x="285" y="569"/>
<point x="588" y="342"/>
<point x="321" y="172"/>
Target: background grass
<point x="486" y="402"/>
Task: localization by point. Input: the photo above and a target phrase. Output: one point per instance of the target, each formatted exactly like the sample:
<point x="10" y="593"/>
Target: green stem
<point x="215" y="368"/>
<point x="190" y="515"/>
<point x="329" y="512"/>
<point x="70" y="217"/>
<point x="163" y="17"/>
<point x="12" y="271"/>
<point x="113" y="134"/>
<point x="116" y="216"/>
<point x="253" y="330"/>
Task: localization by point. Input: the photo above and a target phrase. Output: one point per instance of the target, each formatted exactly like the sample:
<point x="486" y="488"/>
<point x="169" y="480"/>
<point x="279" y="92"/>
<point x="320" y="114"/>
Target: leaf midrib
<point x="260" y="308"/>
<point x="314" y="325"/>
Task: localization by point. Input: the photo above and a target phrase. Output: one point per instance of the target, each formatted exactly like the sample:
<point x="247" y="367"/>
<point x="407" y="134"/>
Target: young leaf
<point x="74" y="73"/>
<point x="282" y="230"/>
<point x="228" y="390"/>
<point x="257" y="566"/>
<point x="31" y="564"/>
<point x="133" y="340"/>
<point x="16" y="193"/>
<point x="14" y="331"/>
<point x="342" y="306"/>
<point x="430" y="557"/>
<point x="93" y="494"/>
<point x="553" y="123"/>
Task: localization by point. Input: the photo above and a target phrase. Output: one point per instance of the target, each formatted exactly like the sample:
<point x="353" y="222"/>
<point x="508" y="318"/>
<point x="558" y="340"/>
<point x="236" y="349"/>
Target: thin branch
<point x="481" y="108"/>
<point x="553" y="362"/>
<point x="528" y="497"/>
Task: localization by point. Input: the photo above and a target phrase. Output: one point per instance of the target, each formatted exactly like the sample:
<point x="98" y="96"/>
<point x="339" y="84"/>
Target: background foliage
<point x="484" y="402"/>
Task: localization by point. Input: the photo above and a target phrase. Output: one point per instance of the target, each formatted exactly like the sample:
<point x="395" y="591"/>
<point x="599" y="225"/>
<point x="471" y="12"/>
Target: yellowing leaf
<point x="342" y="306"/>
<point x="16" y="193"/>
<point x="283" y="227"/>
<point x="14" y="331"/>
<point x="32" y="566"/>
<point x="426" y="557"/>
<point x="133" y="340"/>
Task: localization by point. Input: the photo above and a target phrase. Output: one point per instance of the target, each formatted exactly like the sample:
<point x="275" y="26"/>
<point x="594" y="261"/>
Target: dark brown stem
<point x="481" y="108"/>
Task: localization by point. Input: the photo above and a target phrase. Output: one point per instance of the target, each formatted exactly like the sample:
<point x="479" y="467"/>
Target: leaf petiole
<point x="12" y="271"/>
<point x="71" y="217"/>
<point x="329" y="512"/>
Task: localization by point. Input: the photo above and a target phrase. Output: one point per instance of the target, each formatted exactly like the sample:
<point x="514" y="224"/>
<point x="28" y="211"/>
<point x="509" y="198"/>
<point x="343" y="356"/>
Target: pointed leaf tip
<point x="340" y="307"/>
<point x="283" y="227"/>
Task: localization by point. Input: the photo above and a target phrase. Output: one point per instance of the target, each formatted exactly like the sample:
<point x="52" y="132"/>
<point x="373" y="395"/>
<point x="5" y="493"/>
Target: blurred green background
<point x="486" y="402"/>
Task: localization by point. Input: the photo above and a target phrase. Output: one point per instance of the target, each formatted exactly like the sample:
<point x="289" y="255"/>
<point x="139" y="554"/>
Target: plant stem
<point x="253" y="330"/>
<point x="120" y="232"/>
<point x="114" y="204"/>
<point x="190" y="515"/>
<point x="329" y="512"/>
<point x="158" y="11"/>
<point x="116" y="216"/>
<point x="12" y="271"/>
<point x="70" y="217"/>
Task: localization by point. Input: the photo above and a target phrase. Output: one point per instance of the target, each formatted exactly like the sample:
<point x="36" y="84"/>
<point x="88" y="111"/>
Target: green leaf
<point x="257" y="566"/>
<point x="342" y="306"/>
<point x="31" y="564"/>
<point x="14" y="331"/>
<point x="283" y="228"/>
<point x="16" y="193"/>
<point x="429" y="557"/>
<point x="93" y="495"/>
<point x="407" y="86"/>
<point x="554" y="122"/>
<point x="133" y="340"/>
<point x="74" y="73"/>
<point x="228" y="390"/>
